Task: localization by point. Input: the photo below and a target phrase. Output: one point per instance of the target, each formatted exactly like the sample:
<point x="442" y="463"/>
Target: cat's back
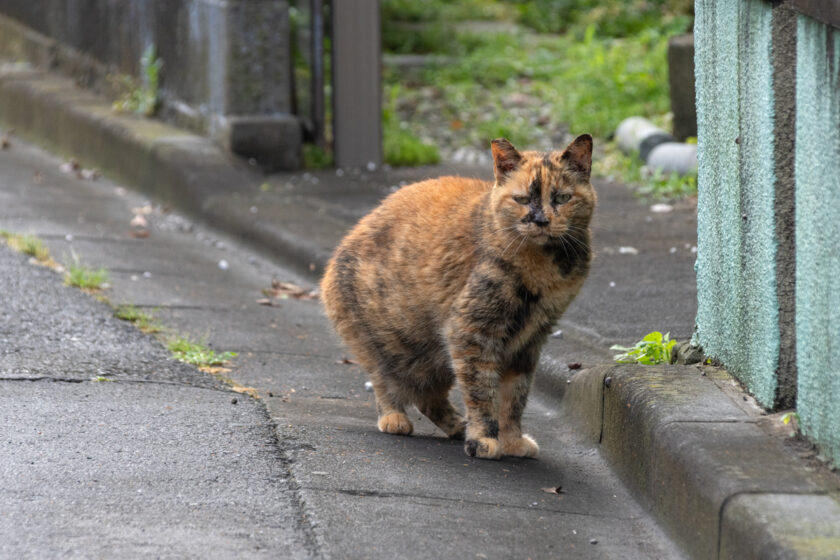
<point x="419" y="241"/>
<point x="424" y="209"/>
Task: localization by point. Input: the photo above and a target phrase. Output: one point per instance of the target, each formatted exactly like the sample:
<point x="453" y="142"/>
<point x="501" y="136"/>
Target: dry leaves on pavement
<point x="286" y="290"/>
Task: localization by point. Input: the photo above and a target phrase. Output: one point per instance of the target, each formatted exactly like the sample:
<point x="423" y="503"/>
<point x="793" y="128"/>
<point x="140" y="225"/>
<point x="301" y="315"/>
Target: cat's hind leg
<point x="437" y="407"/>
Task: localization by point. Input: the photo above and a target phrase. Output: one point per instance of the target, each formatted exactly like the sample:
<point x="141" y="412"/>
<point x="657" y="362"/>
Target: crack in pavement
<point x="46" y="378"/>
<point x="405" y="495"/>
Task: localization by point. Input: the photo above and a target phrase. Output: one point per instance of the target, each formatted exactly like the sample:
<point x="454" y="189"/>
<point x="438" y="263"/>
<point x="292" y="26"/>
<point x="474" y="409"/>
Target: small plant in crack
<point x="142" y="320"/>
<point x="654" y="348"/>
<point x="87" y="278"/>
<point x="792" y="418"/>
<point x="26" y="244"/>
<point x="141" y="99"/>
<point x="197" y="353"/>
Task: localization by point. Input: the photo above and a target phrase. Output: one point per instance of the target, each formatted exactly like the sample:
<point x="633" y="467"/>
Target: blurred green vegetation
<point x="401" y="147"/>
<point x="609" y="62"/>
<point x="579" y="65"/>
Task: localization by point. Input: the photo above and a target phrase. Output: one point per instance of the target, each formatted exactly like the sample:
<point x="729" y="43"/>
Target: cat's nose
<point x="540" y="218"/>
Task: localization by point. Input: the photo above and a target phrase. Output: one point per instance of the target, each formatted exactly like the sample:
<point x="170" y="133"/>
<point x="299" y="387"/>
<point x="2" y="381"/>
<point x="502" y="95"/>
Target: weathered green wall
<point x="737" y="317"/>
<point x="768" y="251"/>
<point x="817" y="172"/>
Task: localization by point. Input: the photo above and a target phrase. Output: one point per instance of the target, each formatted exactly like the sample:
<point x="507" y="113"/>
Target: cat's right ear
<point x="505" y="158"/>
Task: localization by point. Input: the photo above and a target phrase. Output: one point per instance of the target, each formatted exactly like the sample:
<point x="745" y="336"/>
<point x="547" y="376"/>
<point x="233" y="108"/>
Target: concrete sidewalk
<point x="111" y="449"/>
<point x="357" y="493"/>
<point x="711" y="494"/>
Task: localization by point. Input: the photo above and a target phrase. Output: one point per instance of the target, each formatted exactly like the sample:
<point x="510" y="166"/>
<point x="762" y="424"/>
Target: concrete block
<point x="584" y="400"/>
<point x="681" y="82"/>
<point x="780" y="527"/>
<point x="275" y="142"/>
<point x="642" y="398"/>
<point x="697" y="467"/>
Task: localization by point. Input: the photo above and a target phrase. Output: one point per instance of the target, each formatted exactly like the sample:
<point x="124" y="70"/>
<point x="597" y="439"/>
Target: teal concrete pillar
<point x="817" y="171"/>
<point x="738" y="303"/>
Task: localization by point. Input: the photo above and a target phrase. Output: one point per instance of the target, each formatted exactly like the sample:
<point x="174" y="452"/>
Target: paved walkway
<point x="177" y="468"/>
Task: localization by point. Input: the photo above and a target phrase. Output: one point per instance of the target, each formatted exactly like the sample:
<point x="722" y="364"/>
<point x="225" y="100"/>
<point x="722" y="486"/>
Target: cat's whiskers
<point x="518" y="247"/>
<point x="509" y="245"/>
<point x="574" y="241"/>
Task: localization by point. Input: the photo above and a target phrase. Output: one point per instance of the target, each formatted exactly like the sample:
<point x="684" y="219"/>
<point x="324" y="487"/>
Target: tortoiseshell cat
<point x="456" y="278"/>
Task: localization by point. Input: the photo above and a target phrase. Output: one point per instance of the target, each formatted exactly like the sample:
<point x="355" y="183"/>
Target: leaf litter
<point x="286" y="290"/>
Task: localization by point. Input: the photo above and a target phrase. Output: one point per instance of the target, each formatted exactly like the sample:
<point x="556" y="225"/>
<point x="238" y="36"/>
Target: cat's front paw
<point x="483" y="448"/>
<point x="396" y="423"/>
<point x="524" y="446"/>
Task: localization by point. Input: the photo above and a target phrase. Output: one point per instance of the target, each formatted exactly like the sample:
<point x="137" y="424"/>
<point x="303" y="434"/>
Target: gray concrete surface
<point x="363" y="494"/>
<point x="157" y="461"/>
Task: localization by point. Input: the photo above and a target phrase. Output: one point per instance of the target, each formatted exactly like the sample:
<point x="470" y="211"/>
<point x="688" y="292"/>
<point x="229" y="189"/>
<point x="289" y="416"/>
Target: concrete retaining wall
<point x="768" y="268"/>
<point x="227" y="65"/>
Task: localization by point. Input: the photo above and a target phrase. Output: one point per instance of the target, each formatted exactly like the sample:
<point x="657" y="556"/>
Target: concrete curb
<point x="697" y="458"/>
<point x="190" y="172"/>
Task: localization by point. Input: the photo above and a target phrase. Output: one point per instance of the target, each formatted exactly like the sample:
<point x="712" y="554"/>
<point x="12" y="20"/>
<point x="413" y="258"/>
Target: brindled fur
<point x="459" y="279"/>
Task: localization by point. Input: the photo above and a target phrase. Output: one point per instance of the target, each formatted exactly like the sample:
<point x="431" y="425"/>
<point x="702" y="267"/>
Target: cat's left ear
<point x="505" y="158"/>
<point x="578" y="156"/>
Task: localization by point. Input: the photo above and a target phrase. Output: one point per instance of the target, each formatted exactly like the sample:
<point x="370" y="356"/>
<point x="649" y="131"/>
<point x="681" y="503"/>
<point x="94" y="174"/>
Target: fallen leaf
<point x="553" y="490"/>
<point x="139" y="221"/>
<point x="142" y="210"/>
<point x="574" y="365"/>
<point x="139" y="233"/>
<point x="285" y="290"/>
<point x="89" y="174"/>
<point x="661" y="208"/>
<point x="4" y="143"/>
<point x="268" y="302"/>
<point x="346" y="361"/>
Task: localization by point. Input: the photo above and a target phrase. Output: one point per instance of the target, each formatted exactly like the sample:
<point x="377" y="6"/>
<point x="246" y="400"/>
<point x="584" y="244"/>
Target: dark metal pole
<point x="316" y="18"/>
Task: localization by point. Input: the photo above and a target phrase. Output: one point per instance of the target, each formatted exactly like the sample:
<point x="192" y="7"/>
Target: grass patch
<point x="143" y="321"/>
<point x="400" y="146"/>
<point x="26" y="244"/>
<point x="315" y="157"/>
<point x="589" y="84"/>
<point x="87" y="278"/>
<point x="592" y="64"/>
<point x="198" y="354"/>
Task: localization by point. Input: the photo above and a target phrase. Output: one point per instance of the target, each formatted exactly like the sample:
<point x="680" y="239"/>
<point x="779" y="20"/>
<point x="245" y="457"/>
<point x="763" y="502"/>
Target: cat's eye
<point x="522" y="199"/>
<point x="561" y="198"/>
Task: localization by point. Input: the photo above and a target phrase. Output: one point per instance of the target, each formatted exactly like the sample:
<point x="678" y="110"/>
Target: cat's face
<point x="543" y="197"/>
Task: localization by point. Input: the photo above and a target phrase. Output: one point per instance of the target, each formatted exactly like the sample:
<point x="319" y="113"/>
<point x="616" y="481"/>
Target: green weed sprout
<point x="141" y="99"/>
<point x="655" y="348"/>
<point x="81" y="276"/>
<point x="196" y="353"/>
